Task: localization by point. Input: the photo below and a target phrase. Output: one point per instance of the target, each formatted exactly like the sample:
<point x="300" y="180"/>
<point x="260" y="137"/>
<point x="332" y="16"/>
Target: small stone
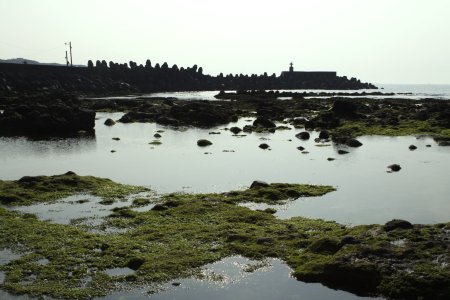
<point x="412" y="147"/>
<point x="176" y="283"/>
<point x="354" y="143"/>
<point x="264" y="146"/>
<point x="395" y="167"/>
<point x="303" y="135"/>
<point x="116" y="139"/>
<point x="428" y="146"/>
<point x="324" y="135"/>
<point x="109" y="122"/>
<point x="203" y="143"/>
<point x="342" y="152"/>
<point x="331" y="158"/>
<point x="235" y="130"/>
<point x="301" y="148"/>
<point x="113" y="151"/>
<point x="157" y="135"/>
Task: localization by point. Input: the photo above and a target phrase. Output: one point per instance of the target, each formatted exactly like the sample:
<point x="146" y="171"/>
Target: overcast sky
<point x="381" y="41"/>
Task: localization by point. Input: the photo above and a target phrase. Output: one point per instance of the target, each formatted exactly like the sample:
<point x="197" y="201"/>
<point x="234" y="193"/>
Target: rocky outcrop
<point x="60" y="115"/>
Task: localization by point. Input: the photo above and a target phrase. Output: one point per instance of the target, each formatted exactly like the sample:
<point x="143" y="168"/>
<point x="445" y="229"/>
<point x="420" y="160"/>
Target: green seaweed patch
<point x="34" y="189"/>
<point x="185" y="232"/>
<point x="403" y="128"/>
<point x="277" y="193"/>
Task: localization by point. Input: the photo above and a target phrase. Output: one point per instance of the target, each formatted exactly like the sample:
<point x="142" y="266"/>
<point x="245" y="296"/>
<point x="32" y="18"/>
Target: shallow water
<point x="227" y="279"/>
<point x="366" y="193"/>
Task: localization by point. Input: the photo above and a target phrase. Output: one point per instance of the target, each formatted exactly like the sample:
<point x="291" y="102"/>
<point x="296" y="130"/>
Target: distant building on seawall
<point x="292" y="75"/>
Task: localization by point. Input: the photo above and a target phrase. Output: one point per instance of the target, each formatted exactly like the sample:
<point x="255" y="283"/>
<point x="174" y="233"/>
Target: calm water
<point x="366" y="193"/>
<point x="403" y="91"/>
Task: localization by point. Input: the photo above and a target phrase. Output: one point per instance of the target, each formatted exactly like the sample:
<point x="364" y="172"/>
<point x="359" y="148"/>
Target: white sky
<point x="381" y="41"/>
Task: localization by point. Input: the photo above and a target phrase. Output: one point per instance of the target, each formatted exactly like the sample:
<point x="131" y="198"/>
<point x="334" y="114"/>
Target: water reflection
<point x="365" y="192"/>
<point x="230" y="279"/>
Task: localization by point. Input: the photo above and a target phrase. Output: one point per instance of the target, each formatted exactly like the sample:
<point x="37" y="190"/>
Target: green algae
<point x="29" y="190"/>
<point x="186" y="231"/>
<point x="403" y="128"/>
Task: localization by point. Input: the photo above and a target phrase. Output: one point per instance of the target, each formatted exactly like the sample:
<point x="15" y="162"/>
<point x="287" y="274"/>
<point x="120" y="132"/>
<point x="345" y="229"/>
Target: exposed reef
<point x="186" y="231"/>
<point x="49" y="114"/>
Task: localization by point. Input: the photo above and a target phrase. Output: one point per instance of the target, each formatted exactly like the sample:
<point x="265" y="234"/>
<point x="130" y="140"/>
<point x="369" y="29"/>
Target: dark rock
<point x="157" y="135"/>
<point x="331" y="158"/>
<point x="235" y="130"/>
<point x="264" y="146"/>
<point x="264" y="123"/>
<point x="325" y="246"/>
<point x="397" y="224"/>
<point x="353" y="143"/>
<point x="303" y="135"/>
<point x="301" y="148"/>
<point x="324" y="135"/>
<point x="70" y="173"/>
<point x="395" y="167"/>
<point x="109" y="122"/>
<point x="203" y="143"/>
<point x="444" y="143"/>
<point x="116" y="139"/>
<point x="176" y="283"/>
<point x="258" y="184"/>
<point x="412" y="147"/>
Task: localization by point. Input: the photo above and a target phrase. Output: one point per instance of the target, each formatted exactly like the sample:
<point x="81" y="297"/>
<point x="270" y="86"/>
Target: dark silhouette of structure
<point x="103" y="77"/>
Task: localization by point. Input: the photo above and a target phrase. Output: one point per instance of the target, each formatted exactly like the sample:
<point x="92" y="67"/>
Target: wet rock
<point x="264" y="123"/>
<point x="157" y="135"/>
<point x="109" y="122"/>
<point x="235" y="130"/>
<point x="412" y="147"/>
<point x="116" y="139"/>
<point x="176" y="283"/>
<point x="113" y="151"/>
<point x="324" y="135"/>
<point x="342" y="152"/>
<point x="444" y="143"/>
<point x="258" y="184"/>
<point x="353" y="143"/>
<point x="397" y="224"/>
<point x="394" y="167"/>
<point x="203" y="143"/>
<point x="264" y="146"/>
<point x="428" y="146"/>
<point x="303" y="135"/>
<point x="331" y="158"/>
<point x="301" y="148"/>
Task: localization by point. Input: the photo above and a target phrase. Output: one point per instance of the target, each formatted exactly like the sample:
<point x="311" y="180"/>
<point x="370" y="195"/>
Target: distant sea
<point x="439" y="91"/>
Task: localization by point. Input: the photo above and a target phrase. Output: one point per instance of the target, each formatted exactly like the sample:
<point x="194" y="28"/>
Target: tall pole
<point x="70" y="46"/>
<point x="67" y="60"/>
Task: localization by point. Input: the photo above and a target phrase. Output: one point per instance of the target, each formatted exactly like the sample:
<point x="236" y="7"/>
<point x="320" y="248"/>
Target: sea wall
<point x="17" y="78"/>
